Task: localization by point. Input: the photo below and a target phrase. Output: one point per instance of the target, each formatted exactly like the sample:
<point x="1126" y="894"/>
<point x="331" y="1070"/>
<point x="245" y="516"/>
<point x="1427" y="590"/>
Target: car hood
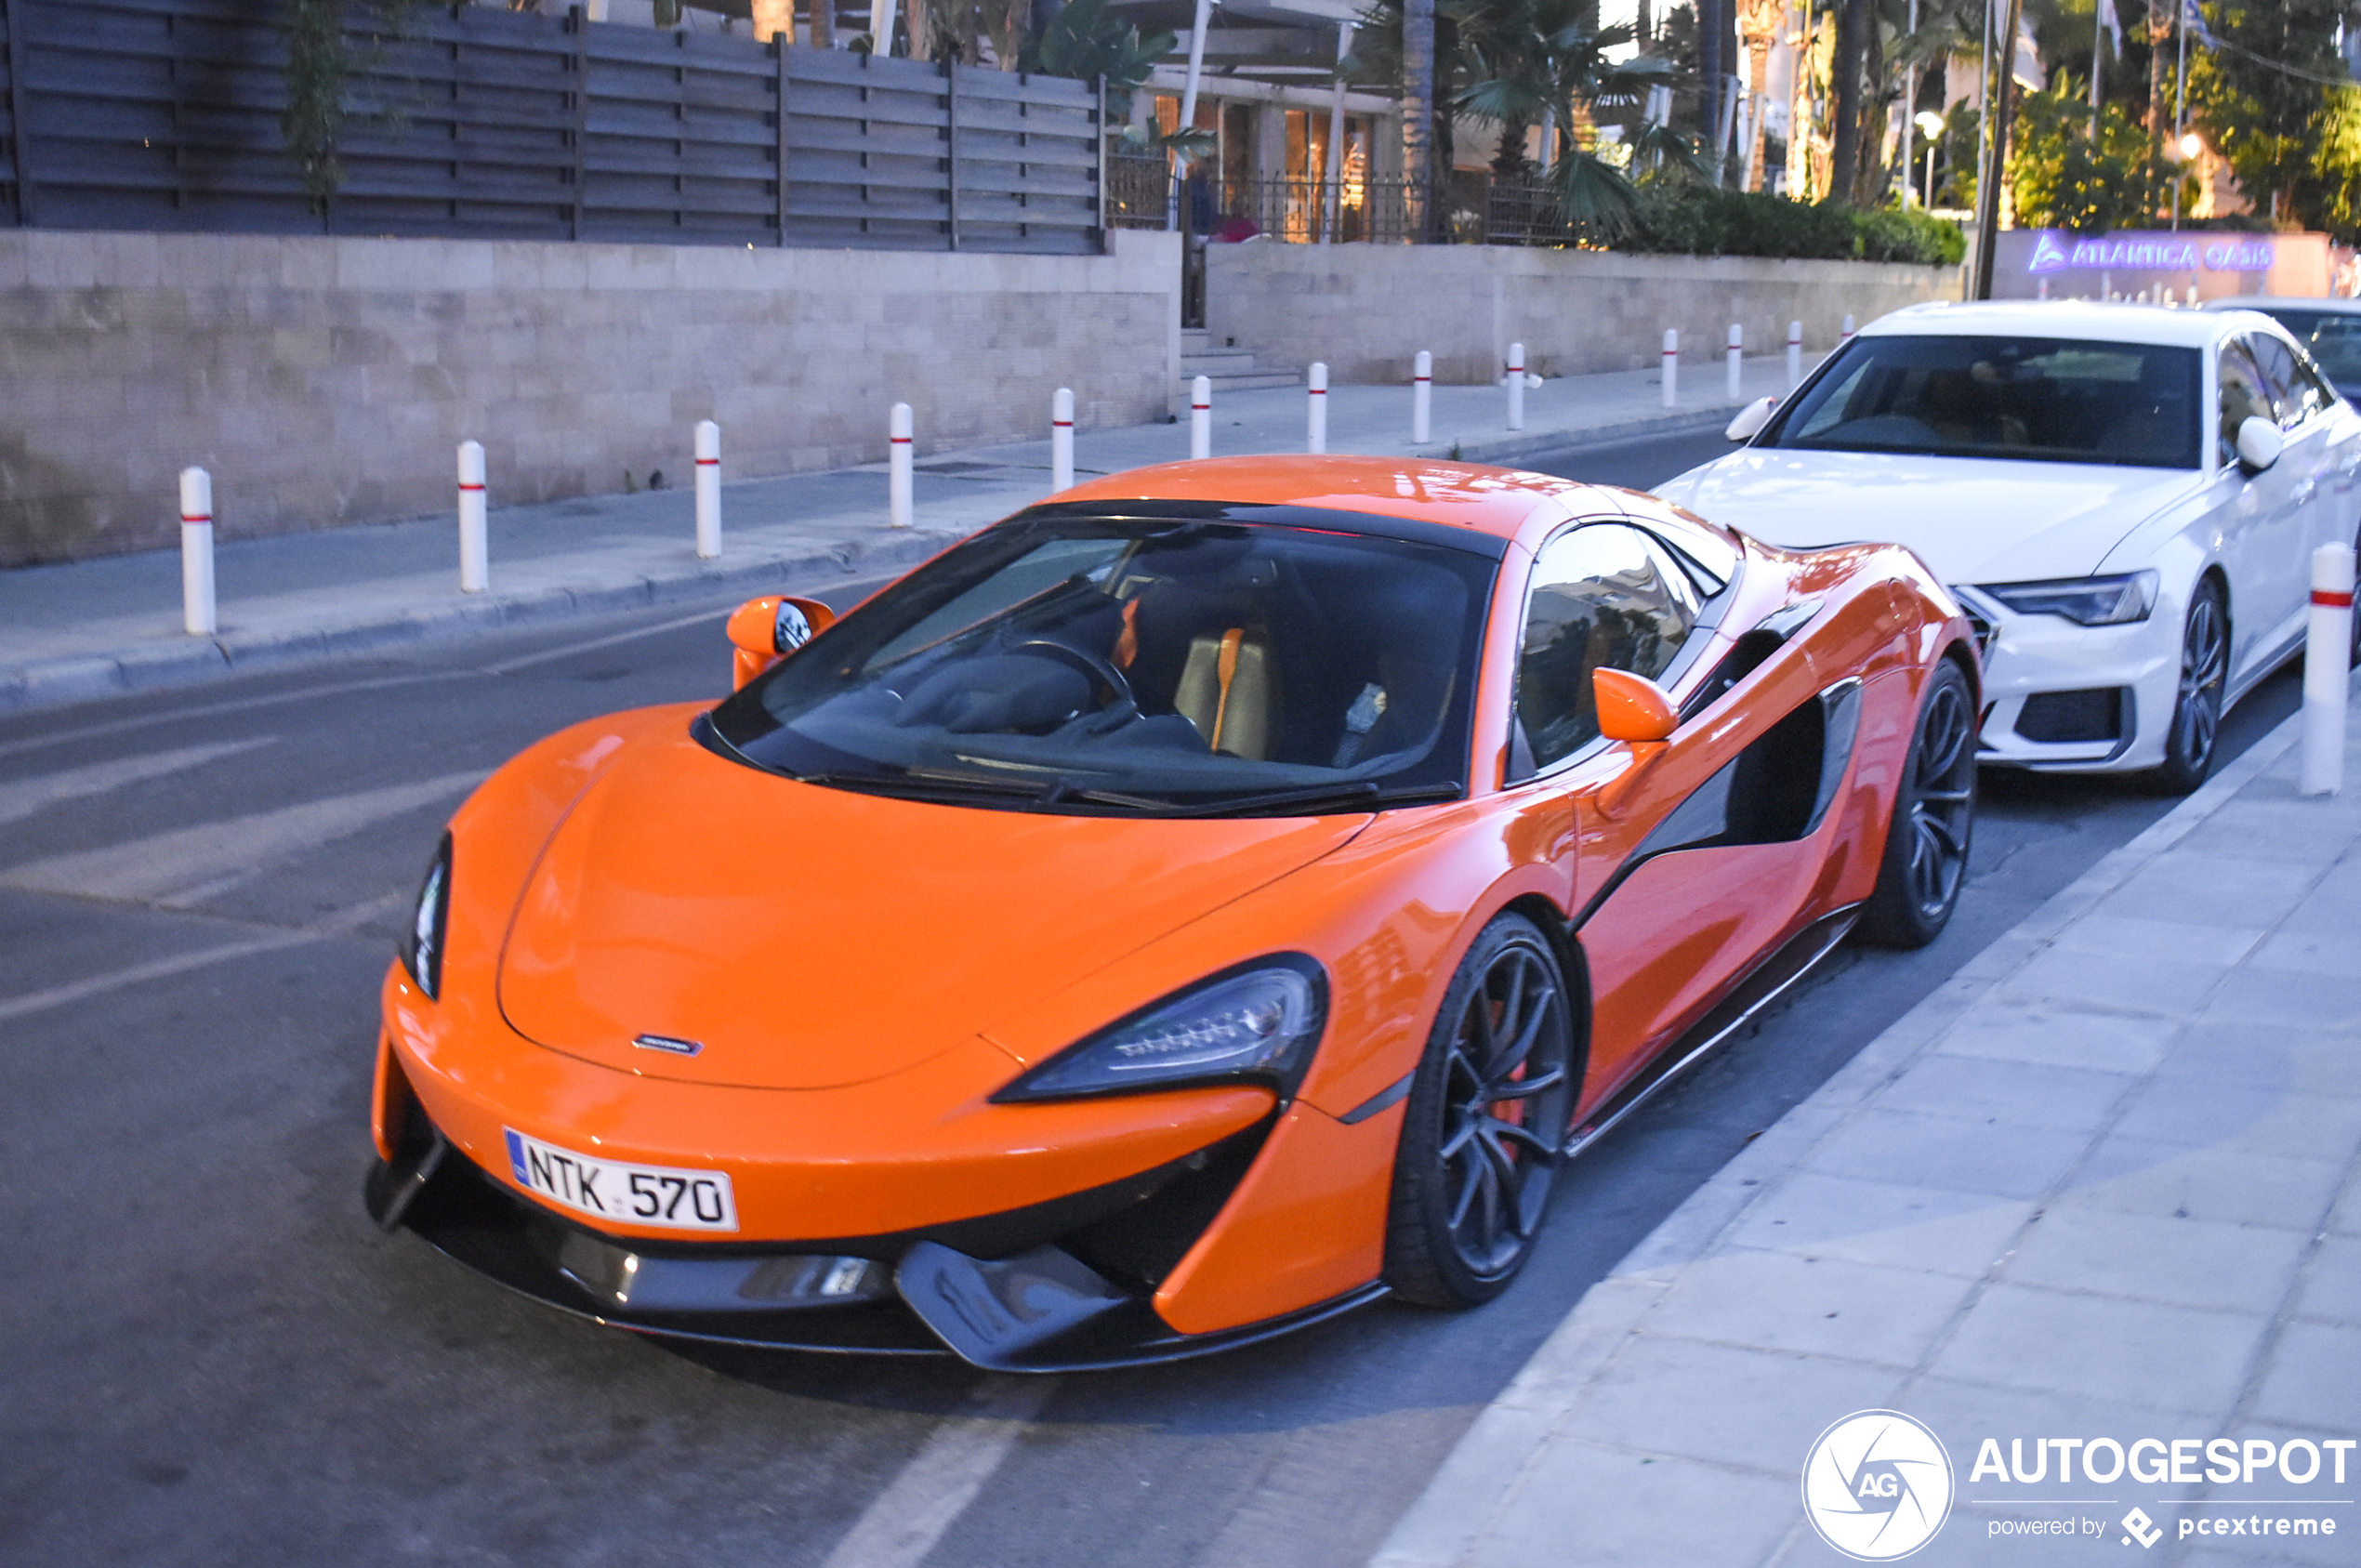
<point x="1971" y="519"/>
<point x="803" y="937"/>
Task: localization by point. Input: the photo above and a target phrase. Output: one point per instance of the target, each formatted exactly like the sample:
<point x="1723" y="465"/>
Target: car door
<point x="1691" y="882"/>
<point x="2261" y="520"/>
<point x="2330" y="436"/>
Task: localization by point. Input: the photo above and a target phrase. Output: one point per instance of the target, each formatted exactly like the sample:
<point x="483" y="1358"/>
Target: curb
<point x="1507" y="449"/>
<point x="1489" y="1463"/>
<point x="84" y="677"/>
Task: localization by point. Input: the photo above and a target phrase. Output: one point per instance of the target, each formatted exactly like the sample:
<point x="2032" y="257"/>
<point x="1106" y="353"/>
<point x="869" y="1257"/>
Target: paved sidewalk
<point x="2102" y="1185"/>
<point x="91" y="628"/>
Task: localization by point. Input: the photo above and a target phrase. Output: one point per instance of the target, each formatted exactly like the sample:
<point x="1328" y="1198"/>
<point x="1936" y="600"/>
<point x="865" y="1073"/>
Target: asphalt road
<point x="207" y="1356"/>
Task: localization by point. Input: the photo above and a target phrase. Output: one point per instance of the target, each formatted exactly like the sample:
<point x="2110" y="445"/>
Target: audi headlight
<point x="2091" y="601"/>
<point x="1258" y="1022"/>
<point x="422" y="940"/>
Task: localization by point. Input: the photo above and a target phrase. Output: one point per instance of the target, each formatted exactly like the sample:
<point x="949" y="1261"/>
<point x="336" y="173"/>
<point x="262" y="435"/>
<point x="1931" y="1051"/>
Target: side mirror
<point x="766" y="629"/>
<point x="1632" y="708"/>
<point x="1751" y="418"/>
<point x="2259" y="445"/>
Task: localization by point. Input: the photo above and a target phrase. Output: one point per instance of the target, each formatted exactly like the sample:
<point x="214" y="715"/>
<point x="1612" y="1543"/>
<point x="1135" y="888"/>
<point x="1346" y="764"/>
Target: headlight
<point x="422" y="942"/>
<point x="1255" y="1023"/>
<point x="2092" y="601"/>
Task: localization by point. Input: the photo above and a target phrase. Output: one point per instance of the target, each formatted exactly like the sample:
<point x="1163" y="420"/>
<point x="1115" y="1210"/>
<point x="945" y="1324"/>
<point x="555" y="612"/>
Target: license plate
<point x="610" y="1189"/>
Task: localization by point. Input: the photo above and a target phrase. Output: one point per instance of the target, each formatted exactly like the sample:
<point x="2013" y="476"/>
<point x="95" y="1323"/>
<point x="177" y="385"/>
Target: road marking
<point x="21" y="798"/>
<point x="547" y="656"/>
<point x="342" y="922"/>
<point x="206" y="710"/>
<point x="904" y="1523"/>
<point x="205" y="858"/>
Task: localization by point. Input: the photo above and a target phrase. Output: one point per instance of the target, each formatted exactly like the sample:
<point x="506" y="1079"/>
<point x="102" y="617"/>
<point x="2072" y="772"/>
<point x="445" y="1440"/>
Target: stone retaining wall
<point x="1365" y="310"/>
<point x="327" y="381"/>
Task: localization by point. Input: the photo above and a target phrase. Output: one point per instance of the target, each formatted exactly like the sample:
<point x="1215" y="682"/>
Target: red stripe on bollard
<point x="2331" y="599"/>
<point x="472" y="487"/>
<point x="185" y="518"/>
<point x="709" y="461"/>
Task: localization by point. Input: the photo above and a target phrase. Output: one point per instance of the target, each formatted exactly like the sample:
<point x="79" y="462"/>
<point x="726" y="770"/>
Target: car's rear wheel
<point x="2197" y="710"/>
<point x="1486" y="1122"/>
<point x="1926" y="841"/>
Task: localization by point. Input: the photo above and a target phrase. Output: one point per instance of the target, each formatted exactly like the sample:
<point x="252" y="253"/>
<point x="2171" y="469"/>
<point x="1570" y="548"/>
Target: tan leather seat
<point x="1228" y="691"/>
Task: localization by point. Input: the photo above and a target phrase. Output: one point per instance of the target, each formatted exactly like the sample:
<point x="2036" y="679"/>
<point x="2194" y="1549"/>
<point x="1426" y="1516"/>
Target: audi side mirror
<point x="2259" y="445"/>
<point x="1751" y="418"/>
<point x="766" y="629"/>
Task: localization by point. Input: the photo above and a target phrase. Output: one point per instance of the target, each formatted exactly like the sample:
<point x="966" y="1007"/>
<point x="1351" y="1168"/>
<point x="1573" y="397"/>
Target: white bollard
<point x="1422" y="396"/>
<point x="1516" y="385"/>
<point x="196" y="552"/>
<point x="898" y="469"/>
<point x="1671" y="367"/>
<point x="2327" y="658"/>
<point x="1738" y="351"/>
<point x="1315" y="439"/>
<point x="708" y="490"/>
<point x="1845" y="336"/>
<point x="1062" y="438"/>
<point x="1795" y="355"/>
<point x="475" y="550"/>
<point x="1201" y="417"/>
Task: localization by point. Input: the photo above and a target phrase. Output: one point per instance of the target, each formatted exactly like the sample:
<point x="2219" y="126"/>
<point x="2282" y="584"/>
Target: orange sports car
<point x="1201" y="903"/>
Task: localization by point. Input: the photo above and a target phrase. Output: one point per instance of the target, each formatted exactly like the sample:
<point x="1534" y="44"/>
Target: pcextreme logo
<point x="1877" y="1486"/>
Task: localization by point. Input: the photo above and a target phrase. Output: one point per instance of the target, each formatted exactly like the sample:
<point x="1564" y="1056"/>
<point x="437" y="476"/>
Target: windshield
<point x="2333" y="337"/>
<point x="1141" y="664"/>
<point x="2027" y="398"/>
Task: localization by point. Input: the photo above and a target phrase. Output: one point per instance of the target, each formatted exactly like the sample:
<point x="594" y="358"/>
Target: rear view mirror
<point x="766" y="629"/>
<point x="1632" y="708"/>
<point x="1751" y="418"/>
<point x="2259" y="445"/>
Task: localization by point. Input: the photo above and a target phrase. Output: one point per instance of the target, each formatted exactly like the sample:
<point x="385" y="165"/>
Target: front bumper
<point x="1034" y="1305"/>
<point x="2028" y="656"/>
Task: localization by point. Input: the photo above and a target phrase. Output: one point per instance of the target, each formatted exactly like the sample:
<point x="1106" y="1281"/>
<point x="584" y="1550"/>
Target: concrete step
<point x="1251" y="382"/>
<point x="1235" y="363"/>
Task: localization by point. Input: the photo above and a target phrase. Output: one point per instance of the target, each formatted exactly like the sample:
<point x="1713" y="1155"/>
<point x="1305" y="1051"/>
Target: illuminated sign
<point x="2150" y="251"/>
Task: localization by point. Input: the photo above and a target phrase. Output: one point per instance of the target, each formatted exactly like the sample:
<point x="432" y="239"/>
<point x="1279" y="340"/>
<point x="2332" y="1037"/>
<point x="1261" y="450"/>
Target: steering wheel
<point x="1099" y="668"/>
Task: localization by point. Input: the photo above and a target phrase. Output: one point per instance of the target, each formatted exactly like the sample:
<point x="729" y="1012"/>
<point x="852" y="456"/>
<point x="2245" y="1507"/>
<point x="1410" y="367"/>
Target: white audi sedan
<point x="2124" y="498"/>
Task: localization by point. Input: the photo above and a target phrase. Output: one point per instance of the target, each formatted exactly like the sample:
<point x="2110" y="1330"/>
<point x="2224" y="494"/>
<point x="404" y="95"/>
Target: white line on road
<point x="904" y="1521"/>
<point x="213" y="855"/>
<point x="343" y="922"/>
<point x="21" y="798"/>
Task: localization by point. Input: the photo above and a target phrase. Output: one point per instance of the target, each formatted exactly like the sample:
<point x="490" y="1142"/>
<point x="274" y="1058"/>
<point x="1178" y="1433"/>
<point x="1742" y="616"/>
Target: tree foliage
<point x="1085" y="43"/>
<point x="2059" y="177"/>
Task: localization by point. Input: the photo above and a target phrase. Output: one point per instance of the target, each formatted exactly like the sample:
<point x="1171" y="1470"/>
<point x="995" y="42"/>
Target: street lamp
<point x="1930" y="125"/>
<point x="2191" y="146"/>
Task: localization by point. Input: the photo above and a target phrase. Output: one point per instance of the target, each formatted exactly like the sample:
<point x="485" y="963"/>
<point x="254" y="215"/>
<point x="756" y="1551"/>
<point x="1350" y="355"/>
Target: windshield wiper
<point x="1363" y="796"/>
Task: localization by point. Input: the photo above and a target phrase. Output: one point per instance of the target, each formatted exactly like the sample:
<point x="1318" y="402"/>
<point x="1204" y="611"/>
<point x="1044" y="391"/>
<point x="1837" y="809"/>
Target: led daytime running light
<point x="1258" y="1022"/>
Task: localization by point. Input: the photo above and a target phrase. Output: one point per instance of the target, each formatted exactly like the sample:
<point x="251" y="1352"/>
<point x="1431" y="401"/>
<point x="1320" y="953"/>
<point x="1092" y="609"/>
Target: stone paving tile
<point x="2231" y="1554"/>
<point x="2061" y="1036"/>
<point x="2253" y="995"/>
<point x="2254" y="827"/>
<point x="1758" y="1409"/>
<point x="2267" y="1056"/>
<point x="2069" y="1099"/>
<point x="2345" y="1219"/>
<point x="2026" y="1337"/>
<point x="2162" y="987"/>
<point x="2277" y="1122"/>
<point x="2312" y="949"/>
<point x="2188" y="1262"/>
<point x="2005" y="1161"/>
<point x="1964" y="1414"/>
<point x="1786" y="1302"/>
<point x="1667" y="1511"/>
<point x="1897" y="1226"/>
<point x="1480" y="1474"/>
<point x="2228" y="1186"/>
<point x="2132" y="936"/>
<point x="2213" y="890"/>
<point x="2313" y="1379"/>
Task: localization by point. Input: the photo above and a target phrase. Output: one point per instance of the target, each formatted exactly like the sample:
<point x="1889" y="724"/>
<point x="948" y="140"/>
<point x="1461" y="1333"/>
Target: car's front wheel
<point x="1486" y="1122"/>
<point x="2197" y="710"/>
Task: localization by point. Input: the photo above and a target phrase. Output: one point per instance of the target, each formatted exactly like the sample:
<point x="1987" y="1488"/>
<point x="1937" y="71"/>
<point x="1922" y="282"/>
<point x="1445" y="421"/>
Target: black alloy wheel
<point x="1486" y="1123"/>
<point x="2196" y="711"/>
<point x="1926" y="848"/>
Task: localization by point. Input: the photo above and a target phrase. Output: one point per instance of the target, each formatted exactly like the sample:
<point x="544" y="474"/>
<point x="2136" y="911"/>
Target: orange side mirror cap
<point x="1632" y="708"/>
<point x="765" y="630"/>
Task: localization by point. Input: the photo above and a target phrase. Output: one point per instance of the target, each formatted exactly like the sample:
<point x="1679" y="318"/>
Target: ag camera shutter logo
<point x="1877" y="1486"/>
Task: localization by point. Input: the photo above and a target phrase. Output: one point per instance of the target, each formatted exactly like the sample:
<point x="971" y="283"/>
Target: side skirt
<point x="1763" y="985"/>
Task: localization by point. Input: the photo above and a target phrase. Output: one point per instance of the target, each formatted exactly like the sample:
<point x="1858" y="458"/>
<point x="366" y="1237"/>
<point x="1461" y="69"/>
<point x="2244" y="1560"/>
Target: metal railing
<point x="1475" y="208"/>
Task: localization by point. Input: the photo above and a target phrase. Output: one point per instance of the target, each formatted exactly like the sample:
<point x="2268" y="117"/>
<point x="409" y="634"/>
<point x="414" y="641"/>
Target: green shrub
<point x="1680" y="218"/>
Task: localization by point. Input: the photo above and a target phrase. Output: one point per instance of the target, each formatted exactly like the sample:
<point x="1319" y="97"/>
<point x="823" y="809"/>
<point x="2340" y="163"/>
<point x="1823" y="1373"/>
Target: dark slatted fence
<point x="470" y="121"/>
